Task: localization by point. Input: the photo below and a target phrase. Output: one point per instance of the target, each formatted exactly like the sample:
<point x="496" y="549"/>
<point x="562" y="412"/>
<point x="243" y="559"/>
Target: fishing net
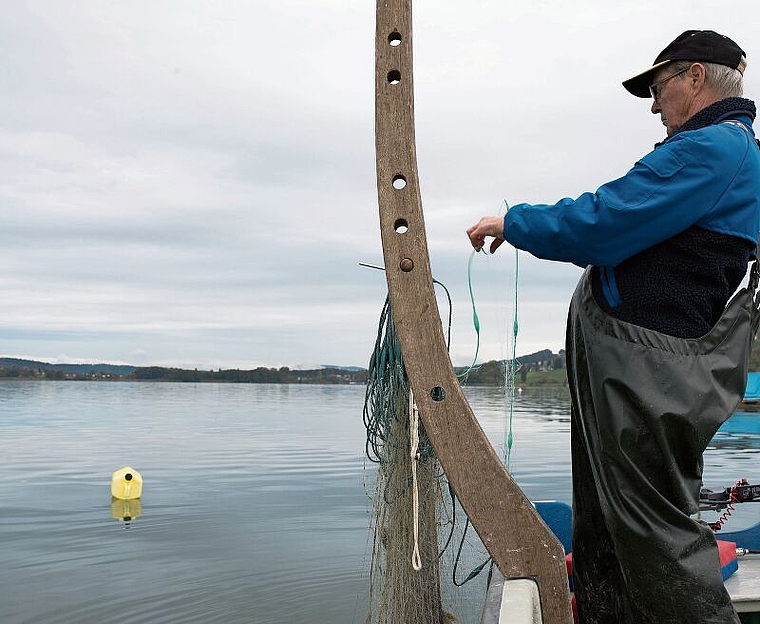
<point x="413" y="571"/>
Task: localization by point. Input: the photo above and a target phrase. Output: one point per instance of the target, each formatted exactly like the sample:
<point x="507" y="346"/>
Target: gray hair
<point x="725" y="81"/>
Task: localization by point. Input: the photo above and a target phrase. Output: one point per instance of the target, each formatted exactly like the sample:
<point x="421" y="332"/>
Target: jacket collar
<point x="737" y="108"/>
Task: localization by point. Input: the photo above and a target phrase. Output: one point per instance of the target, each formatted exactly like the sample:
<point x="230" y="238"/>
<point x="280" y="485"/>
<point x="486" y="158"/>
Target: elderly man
<point x="657" y="354"/>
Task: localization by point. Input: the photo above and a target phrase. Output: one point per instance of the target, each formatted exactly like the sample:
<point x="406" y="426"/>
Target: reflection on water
<point x="126" y="510"/>
<point x="254" y="507"/>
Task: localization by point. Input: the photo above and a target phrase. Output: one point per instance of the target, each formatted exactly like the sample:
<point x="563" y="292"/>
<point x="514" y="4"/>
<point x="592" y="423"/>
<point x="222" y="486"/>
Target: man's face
<point x="673" y="97"/>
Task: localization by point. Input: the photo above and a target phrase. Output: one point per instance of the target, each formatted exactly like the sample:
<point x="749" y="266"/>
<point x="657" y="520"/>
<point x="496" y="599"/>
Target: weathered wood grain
<point x="506" y="521"/>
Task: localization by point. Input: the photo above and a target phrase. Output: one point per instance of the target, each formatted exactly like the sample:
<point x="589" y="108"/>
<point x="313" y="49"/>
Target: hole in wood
<point x="438" y="393"/>
<point x="394" y="38"/>
<point x="394" y="77"/>
<point x="401" y="226"/>
<point x="398" y="182"/>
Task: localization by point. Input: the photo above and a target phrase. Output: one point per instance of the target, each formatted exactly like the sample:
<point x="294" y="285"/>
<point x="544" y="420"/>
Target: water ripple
<point x="254" y="505"/>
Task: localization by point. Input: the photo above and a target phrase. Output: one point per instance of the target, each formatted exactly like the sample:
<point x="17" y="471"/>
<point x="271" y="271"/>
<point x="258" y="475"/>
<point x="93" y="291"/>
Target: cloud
<point x="194" y="184"/>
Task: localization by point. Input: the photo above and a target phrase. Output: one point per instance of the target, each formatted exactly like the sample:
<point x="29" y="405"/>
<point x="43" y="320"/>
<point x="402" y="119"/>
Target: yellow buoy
<point x="126" y="484"/>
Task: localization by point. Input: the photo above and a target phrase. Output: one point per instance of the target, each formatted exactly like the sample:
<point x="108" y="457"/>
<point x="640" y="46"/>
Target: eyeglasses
<point x="655" y="89"/>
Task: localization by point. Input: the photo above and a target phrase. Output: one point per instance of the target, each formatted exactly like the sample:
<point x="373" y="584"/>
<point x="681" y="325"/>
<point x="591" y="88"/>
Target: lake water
<point x="256" y="503"/>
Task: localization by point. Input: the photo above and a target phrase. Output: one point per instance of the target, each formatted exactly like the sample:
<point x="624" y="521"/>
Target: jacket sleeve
<point x="665" y="192"/>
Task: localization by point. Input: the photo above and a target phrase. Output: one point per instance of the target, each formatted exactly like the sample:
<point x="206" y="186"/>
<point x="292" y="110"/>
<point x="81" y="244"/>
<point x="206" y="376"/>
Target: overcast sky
<point x="192" y="184"/>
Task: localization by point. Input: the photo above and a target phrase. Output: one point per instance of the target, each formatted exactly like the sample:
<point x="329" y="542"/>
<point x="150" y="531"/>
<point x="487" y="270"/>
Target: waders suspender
<point x="754" y="275"/>
<point x="754" y="279"/>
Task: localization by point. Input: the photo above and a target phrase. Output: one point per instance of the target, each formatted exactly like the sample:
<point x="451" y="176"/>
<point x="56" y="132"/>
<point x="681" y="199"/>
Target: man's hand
<point x="487" y="226"/>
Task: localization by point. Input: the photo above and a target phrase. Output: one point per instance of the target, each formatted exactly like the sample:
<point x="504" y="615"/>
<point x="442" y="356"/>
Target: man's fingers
<point x="476" y="240"/>
<point x="487" y="226"/>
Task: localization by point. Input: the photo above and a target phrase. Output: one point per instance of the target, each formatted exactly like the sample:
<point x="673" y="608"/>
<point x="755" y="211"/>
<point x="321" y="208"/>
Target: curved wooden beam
<point x="514" y="534"/>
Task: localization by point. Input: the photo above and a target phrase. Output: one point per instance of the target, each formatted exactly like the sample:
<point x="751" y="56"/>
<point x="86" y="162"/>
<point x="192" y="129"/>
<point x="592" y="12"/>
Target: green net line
<point x="510" y="370"/>
<point x="512" y="367"/>
<point x="464" y="376"/>
<point x="387" y="390"/>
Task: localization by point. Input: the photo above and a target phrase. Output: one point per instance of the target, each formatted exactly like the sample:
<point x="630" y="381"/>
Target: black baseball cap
<point x="693" y="45"/>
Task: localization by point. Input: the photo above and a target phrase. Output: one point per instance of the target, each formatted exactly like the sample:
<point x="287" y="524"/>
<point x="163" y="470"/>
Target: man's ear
<point x="697" y="74"/>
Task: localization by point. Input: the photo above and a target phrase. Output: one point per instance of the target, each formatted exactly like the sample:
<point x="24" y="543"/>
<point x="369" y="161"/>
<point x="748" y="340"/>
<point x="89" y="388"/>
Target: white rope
<point x="414" y="441"/>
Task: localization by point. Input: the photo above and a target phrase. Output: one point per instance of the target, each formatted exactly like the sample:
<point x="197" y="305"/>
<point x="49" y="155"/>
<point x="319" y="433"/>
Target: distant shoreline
<point x="540" y="381"/>
<point x="542" y="369"/>
<point x="493" y="373"/>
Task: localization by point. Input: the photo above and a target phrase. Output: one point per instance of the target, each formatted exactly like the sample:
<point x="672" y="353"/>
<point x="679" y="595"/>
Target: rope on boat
<point x="414" y="442"/>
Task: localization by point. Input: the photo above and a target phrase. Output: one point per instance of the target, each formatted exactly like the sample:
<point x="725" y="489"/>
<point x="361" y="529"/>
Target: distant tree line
<point x="11" y="368"/>
<point x="494" y="373"/>
<point x="282" y="375"/>
<point x="24" y="372"/>
<point x="540" y="368"/>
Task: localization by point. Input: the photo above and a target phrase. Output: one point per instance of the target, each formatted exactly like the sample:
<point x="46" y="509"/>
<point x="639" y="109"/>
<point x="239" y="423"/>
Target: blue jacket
<point x="701" y="180"/>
